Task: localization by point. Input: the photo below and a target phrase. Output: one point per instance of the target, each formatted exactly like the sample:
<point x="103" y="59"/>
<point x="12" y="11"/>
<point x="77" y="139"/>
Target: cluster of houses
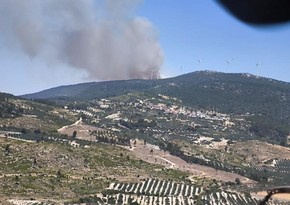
<point x="188" y="112"/>
<point x="85" y="112"/>
<point x="8" y="133"/>
<point x="164" y="104"/>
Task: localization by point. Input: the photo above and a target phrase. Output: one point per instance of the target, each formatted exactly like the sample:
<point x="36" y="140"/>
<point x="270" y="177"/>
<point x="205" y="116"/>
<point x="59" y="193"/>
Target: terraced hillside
<point x="18" y="114"/>
<point x="174" y="141"/>
<point x="154" y="191"/>
<point x="204" y="137"/>
<point x="264" y="101"/>
<point x="60" y="171"/>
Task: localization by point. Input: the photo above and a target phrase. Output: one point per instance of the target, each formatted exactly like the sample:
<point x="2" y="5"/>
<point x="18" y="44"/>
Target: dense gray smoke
<point x="102" y="37"/>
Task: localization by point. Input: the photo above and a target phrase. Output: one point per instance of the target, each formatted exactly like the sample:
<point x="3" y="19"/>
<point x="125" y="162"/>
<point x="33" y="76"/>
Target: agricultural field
<point x="154" y="191"/>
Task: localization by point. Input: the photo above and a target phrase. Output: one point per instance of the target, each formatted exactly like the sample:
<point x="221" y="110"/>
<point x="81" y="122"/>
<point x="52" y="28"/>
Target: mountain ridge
<point x="229" y="92"/>
<point x="76" y="89"/>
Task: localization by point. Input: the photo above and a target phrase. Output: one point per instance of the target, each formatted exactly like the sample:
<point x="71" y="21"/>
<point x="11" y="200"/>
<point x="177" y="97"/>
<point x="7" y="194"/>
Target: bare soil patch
<point x="164" y="158"/>
<point x="262" y="194"/>
<point x="258" y="152"/>
<point x="83" y="131"/>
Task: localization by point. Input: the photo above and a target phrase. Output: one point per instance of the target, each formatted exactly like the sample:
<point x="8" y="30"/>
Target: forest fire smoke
<point x="102" y="37"/>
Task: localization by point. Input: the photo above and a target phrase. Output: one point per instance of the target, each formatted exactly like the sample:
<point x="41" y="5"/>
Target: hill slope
<point x="231" y="93"/>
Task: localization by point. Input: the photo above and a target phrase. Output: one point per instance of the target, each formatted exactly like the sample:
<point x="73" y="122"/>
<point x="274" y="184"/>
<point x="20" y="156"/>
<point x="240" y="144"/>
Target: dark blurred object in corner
<point x="259" y="12"/>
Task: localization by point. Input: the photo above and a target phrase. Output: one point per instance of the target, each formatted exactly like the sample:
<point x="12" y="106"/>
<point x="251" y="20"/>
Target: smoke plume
<point x="102" y="37"/>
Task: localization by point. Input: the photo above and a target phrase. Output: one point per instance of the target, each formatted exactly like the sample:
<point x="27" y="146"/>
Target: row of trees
<point x="141" y="123"/>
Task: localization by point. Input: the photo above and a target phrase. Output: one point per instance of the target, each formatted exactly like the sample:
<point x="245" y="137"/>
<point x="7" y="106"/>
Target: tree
<point x="238" y="181"/>
<point x="7" y="149"/>
<point x="34" y="161"/>
<point x="59" y="174"/>
<point x="74" y="135"/>
<point x="37" y="131"/>
<point x="17" y="180"/>
<point x="23" y="131"/>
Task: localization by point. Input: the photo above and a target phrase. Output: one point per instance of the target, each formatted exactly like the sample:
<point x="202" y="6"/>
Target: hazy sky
<point x="193" y="35"/>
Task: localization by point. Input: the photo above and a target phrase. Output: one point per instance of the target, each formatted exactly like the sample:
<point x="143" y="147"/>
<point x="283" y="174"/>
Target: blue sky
<point x="201" y="35"/>
<point x="194" y="35"/>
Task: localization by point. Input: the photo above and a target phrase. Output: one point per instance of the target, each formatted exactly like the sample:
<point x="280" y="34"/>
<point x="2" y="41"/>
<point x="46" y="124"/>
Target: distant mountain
<point x="228" y="92"/>
<point x="93" y="90"/>
<point x="7" y="109"/>
<point x="231" y="93"/>
<point x="6" y="95"/>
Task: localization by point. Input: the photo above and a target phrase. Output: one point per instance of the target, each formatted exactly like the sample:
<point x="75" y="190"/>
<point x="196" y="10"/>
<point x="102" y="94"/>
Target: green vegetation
<point x="237" y="94"/>
<point x="53" y="170"/>
<point x="230" y="122"/>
